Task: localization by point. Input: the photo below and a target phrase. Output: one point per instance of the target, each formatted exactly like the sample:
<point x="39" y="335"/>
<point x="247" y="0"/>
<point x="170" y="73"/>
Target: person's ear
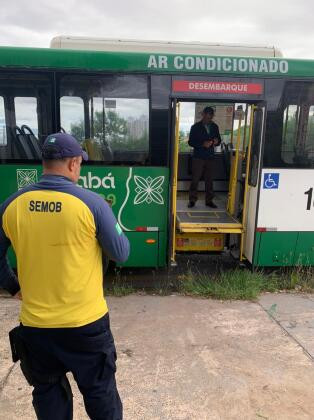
<point x="71" y="164"/>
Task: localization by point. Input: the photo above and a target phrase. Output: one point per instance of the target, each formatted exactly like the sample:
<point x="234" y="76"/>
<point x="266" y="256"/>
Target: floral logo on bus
<point x="149" y="190"/>
<point x="26" y="177"/>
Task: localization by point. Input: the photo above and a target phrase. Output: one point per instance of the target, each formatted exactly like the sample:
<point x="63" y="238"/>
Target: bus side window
<point x="27" y="117"/>
<point x="289" y="140"/>
<point x="72" y="116"/>
<point x="290" y="129"/>
<point x="119" y="124"/>
<point x="109" y="115"/>
<point x="26" y="113"/>
<point x="3" y="129"/>
<point x="309" y="142"/>
<point x="298" y="134"/>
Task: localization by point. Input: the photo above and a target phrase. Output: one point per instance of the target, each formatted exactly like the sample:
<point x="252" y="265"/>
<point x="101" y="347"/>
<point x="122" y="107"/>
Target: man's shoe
<point x="191" y="204"/>
<point x="212" y="205"/>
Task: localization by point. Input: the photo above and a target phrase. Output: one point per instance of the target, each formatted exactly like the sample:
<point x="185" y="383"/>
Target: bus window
<point x="289" y="139"/>
<point x="108" y="114"/>
<point x="3" y="131"/>
<point x="72" y="116"/>
<point x="290" y="126"/>
<point x="121" y="123"/>
<point x="26" y="98"/>
<point x="309" y="143"/>
<point x="187" y="119"/>
<point x="26" y="113"/>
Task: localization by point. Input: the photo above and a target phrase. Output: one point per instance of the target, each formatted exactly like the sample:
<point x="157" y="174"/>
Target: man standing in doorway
<point x="204" y="137"/>
<point x="58" y="232"/>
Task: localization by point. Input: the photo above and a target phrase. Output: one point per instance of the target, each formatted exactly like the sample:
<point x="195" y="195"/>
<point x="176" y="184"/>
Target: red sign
<point x="217" y="87"/>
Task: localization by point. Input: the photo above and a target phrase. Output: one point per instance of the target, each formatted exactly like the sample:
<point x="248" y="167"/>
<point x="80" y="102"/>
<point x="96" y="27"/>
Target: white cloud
<point x="284" y="23"/>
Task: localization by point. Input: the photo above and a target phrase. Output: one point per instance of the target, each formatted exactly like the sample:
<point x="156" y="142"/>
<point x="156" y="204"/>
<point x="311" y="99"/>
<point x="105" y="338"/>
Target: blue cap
<point x="62" y="145"/>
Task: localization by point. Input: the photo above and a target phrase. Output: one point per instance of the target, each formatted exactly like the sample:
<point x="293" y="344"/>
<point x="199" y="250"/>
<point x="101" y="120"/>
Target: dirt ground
<point x="184" y="358"/>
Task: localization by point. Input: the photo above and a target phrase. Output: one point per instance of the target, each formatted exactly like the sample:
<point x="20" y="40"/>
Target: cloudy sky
<point x="287" y="24"/>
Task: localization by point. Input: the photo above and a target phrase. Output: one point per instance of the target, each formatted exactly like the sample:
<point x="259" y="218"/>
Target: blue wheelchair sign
<point x="271" y="181"/>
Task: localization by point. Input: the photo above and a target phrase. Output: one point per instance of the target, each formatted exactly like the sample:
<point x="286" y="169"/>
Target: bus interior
<point x="202" y="229"/>
<point x="103" y="113"/>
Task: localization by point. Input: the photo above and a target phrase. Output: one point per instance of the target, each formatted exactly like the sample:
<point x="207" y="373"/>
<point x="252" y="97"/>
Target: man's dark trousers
<point x="89" y="353"/>
<point x="202" y="167"/>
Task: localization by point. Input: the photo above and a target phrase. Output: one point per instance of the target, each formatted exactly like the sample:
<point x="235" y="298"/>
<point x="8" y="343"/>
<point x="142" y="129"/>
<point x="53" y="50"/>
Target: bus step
<point x="211" y="229"/>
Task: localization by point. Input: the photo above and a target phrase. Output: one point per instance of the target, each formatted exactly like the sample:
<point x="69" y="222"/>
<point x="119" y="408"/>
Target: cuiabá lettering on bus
<point x="94" y="182"/>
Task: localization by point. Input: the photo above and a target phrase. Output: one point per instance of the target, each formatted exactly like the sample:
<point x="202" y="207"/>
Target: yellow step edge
<point x="188" y="225"/>
<point x="210" y="230"/>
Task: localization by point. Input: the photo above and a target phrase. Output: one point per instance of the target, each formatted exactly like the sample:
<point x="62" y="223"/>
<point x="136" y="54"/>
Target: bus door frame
<point x="174" y="163"/>
<point x="261" y="105"/>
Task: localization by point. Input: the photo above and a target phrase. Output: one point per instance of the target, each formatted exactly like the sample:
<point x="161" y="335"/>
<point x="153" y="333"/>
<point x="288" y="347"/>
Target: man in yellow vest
<point x="58" y="231"/>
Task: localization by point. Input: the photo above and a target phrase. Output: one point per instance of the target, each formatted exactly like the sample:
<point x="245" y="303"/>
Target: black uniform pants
<point x="202" y="167"/>
<point x="89" y="353"/>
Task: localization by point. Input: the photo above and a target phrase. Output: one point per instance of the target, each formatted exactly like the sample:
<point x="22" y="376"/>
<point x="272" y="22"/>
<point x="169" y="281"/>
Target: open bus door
<point x="174" y="178"/>
<point x="253" y="170"/>
<point x="206" y="230"/>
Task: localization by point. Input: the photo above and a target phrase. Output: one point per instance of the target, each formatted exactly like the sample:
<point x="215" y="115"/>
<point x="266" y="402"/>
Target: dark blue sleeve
<point x="109" y="234"/>
<point x="8" y="279"/>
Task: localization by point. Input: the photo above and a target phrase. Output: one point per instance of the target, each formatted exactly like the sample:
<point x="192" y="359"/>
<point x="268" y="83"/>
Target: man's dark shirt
<point x="198" y="135"/>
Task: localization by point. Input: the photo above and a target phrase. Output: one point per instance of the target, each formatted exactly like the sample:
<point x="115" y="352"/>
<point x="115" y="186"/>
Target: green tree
<point x="183" y="142"/>
<point x="111" y="128"/>
<point x="140" y="143"/>
<point x="114" y="132"/>
<point x="115" y="128"/>
<point x="78" y="131"/>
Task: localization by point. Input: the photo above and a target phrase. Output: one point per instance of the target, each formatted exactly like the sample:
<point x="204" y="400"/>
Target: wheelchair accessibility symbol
<point x="271" y="181"/>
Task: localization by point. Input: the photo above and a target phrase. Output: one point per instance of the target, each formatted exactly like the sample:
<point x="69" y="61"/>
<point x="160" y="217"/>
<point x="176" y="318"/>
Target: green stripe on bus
<point x="153" y="63"/>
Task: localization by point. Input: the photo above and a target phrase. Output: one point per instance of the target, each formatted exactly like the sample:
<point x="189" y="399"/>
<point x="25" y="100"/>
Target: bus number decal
<point x="309" y="193"/>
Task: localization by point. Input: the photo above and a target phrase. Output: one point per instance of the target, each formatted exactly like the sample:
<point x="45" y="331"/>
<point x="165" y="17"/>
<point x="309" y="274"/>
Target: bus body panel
<point x="285" y="226"/>
<point x="113" y="61"/>
<point x="285" y="205"/>
<point x="138" y="196"/>
<point x="275" y="249"/>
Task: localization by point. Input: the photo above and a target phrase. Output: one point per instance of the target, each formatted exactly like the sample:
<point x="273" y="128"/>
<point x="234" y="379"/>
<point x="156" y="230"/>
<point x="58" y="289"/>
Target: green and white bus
<point x="131" y="110"/>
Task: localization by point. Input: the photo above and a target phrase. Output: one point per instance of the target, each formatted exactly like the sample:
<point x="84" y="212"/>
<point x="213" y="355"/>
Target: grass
<point x="300" y="278"/>
<point x="220" y="284"/>
<point x="245" y="284"/>
<point x="119" y="289"/>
